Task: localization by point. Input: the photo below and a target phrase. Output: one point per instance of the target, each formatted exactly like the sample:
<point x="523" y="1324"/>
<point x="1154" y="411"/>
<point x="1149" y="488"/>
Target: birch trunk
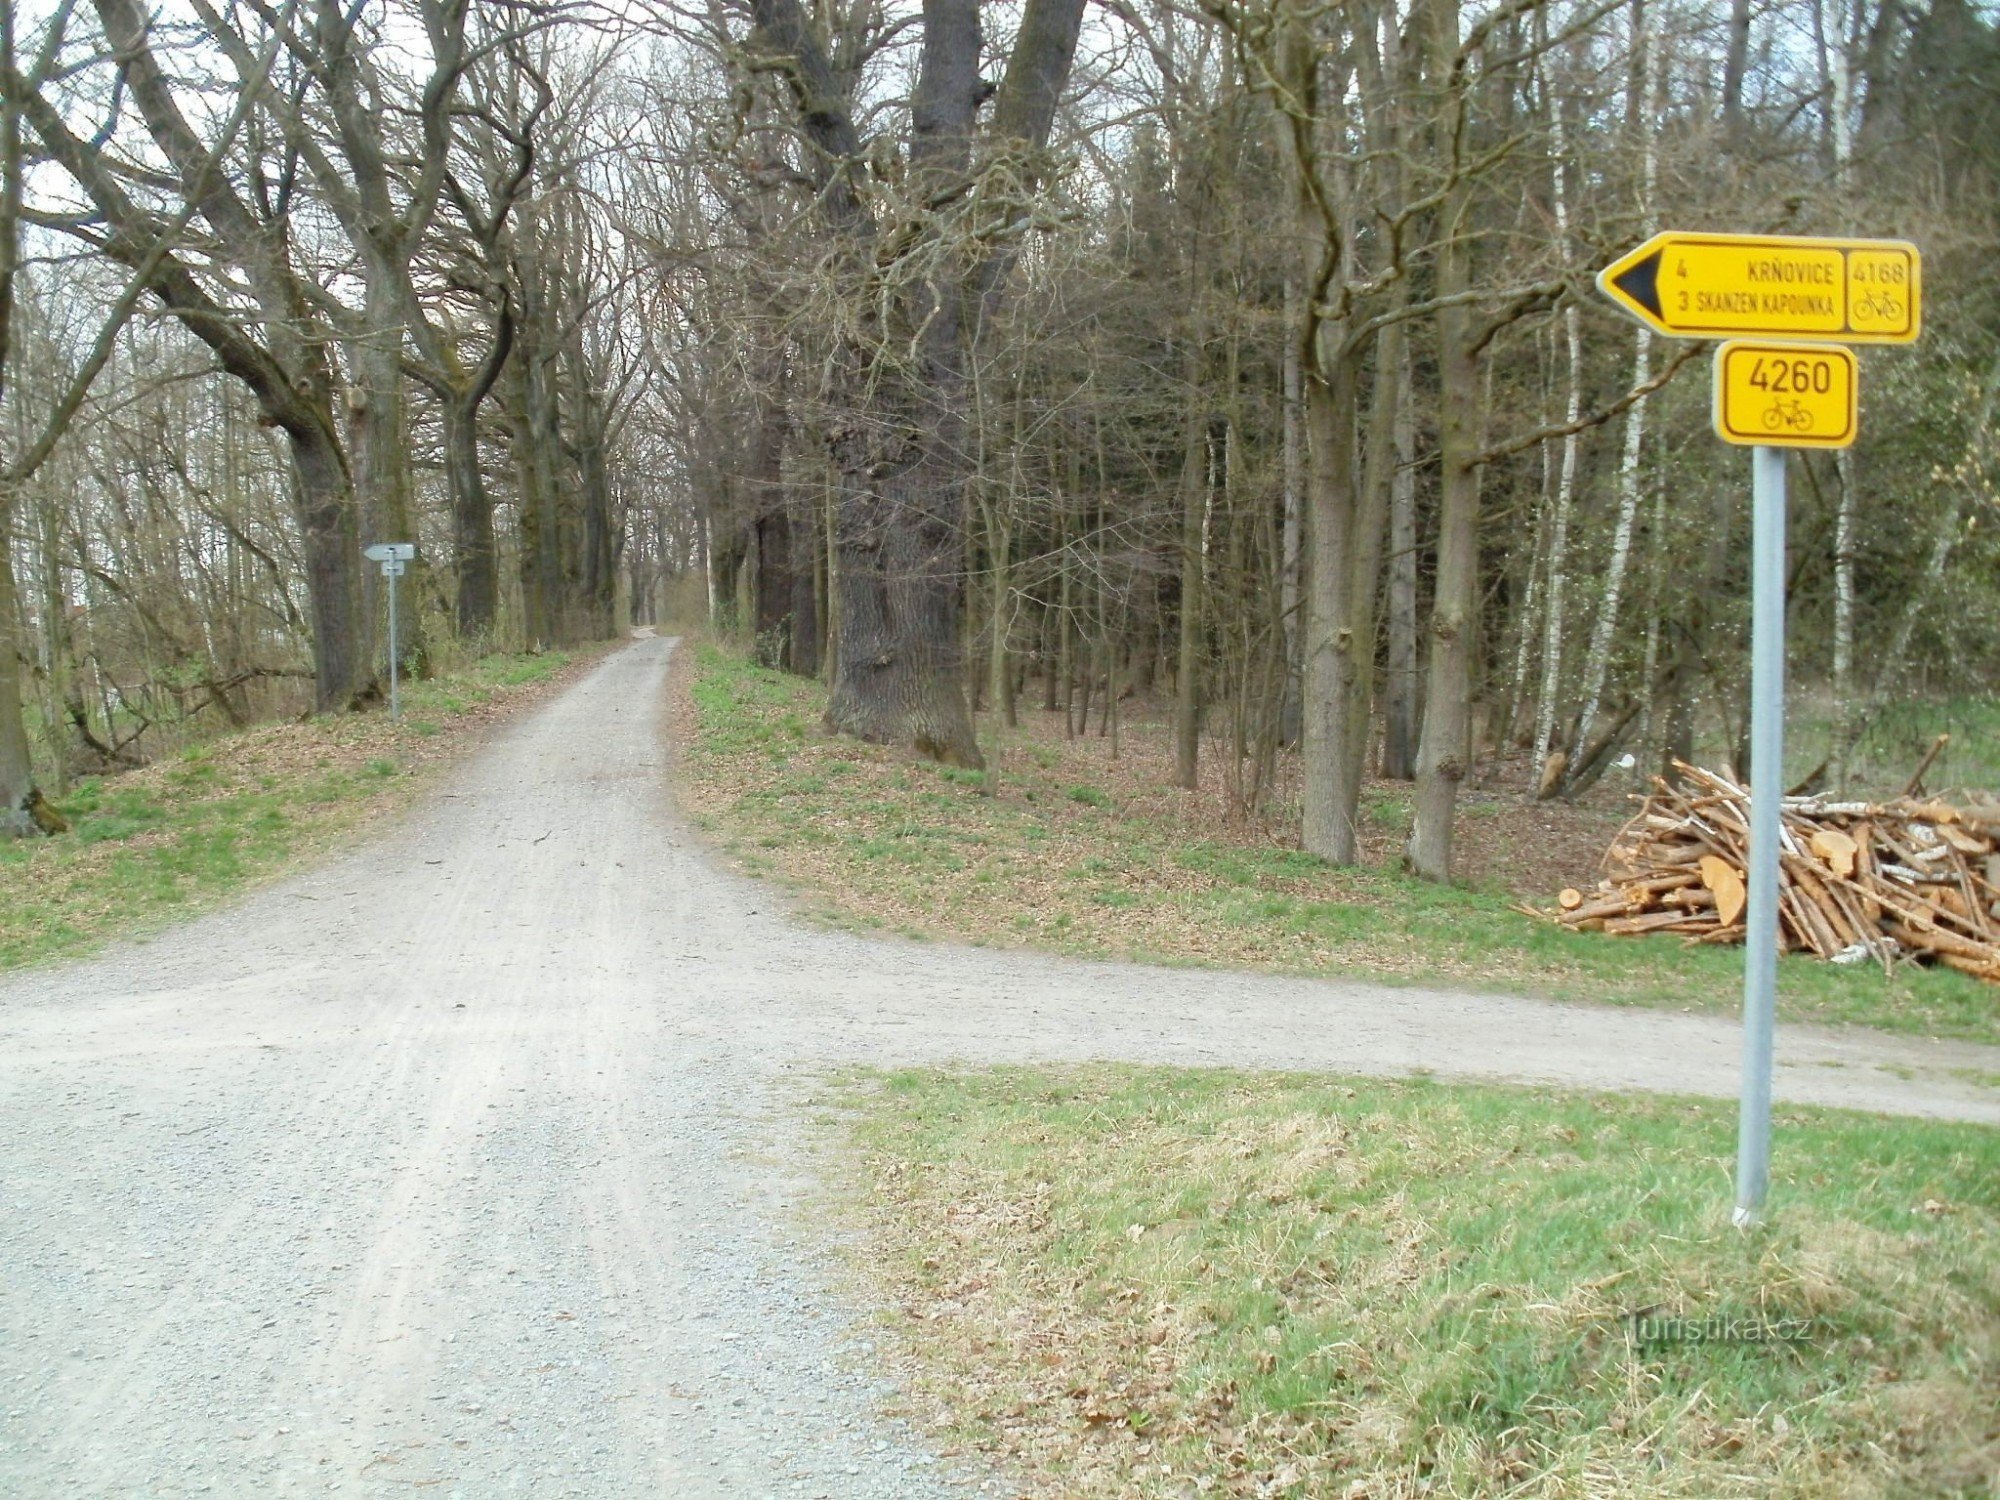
<point x="1558" y="576"/>
<point x="1840" y="77"/>
<point x="1597" y="658"/>
<point x="1558" y="568"/>
<point x="1511" y="726"/>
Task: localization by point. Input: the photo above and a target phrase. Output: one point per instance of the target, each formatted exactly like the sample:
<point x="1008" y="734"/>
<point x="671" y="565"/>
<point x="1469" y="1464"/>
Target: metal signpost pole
<point x="1767" y="792"/>
<point x="395" y="657"/>
<point x="394" y="558"/>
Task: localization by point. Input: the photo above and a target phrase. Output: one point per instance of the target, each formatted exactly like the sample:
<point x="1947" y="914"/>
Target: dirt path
<point x="461" y="1163"/>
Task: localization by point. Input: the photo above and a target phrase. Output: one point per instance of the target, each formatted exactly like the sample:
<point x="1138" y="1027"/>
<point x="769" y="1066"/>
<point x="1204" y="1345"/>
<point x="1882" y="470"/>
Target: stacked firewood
<point x="1858" y="881"/>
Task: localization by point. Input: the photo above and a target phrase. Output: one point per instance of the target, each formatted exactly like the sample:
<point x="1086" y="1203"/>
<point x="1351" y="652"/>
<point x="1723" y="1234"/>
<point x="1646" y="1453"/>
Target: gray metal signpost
<point x="395" y="558"/>
<point x="1767" y="799"/>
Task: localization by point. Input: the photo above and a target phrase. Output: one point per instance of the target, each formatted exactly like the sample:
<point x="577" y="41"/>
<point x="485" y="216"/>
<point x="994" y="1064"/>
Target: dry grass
<point x="1137" y="1283"/>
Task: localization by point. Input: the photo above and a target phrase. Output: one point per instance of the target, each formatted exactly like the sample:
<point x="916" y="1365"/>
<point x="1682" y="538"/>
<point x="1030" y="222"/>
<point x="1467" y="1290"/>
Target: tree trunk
<point x="17" y="780"/>
<point x="331" y="535"/>
<point x="1841" y="123"/>
<point x="1289" y="717"/>
<point x="59" y="646"/>
<point x="900" y="677"/>
<point x="773" y="618"/>
<point x="1327" y="823"/>
<point x="1444" y="753"/>
<point x="1597" y="660"/>
<point x="900" y="530"/>
<point x="1553" y="617"/>
<point x="475" y="566"/>
<point x="999" y="674"/>
<point x="1843" y="619"/>
<point x="380" y="442"/>
<point x="1194" y="567"/>
<point x="1549" y="700"/>
<point x="1736" y="62"/>
<point x="1401" y="712"/>
<point x="1365" y="577"/>
<point x="805" y="659"/>
<point x="538" y="526"/>
<point x="771" y="625"/>
<point x="599" y="614"/>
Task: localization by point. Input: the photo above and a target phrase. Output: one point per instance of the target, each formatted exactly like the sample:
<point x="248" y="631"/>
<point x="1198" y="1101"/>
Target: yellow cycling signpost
<point x="1787" y="306"/>
<point x="1704" y="286"/>
<point x="1789" y="395"/>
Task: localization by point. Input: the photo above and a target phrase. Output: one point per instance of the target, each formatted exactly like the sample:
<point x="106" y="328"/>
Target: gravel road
<point x="466" y="1162"/>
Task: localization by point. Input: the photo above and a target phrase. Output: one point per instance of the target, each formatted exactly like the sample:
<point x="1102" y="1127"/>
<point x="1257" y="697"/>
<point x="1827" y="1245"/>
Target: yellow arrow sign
<point x="1786" y="395"/>
<point x="1695" y="286"/>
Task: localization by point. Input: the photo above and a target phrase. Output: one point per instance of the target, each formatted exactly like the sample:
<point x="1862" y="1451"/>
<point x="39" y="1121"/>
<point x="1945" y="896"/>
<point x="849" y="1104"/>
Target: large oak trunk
<point x="900" y="678"/>
<point x="902" y="507"/>
<point x="899" y="523"/>
<point x="474" y="561"/>
<point x="332" y="538"/>
<point x="378" y="423"/>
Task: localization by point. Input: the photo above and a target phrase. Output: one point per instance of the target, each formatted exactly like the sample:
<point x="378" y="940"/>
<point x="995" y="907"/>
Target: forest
<point x="1241" y="358"/>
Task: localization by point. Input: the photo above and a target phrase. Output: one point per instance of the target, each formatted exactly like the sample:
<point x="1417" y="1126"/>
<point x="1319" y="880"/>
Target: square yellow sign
<point x="1786" y="395"/>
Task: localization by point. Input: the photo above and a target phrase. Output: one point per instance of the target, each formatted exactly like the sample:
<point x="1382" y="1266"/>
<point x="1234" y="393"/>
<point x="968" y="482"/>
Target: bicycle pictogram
<point x="1879" y="307"/>
<point x="1792" y="414"/>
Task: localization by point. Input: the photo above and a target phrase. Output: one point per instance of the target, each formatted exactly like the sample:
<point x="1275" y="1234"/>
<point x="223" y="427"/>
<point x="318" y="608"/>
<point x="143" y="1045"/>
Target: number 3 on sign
<point x="1786" y="395"/>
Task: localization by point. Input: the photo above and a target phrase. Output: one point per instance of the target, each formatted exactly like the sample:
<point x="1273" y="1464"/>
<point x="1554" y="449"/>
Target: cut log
<point x="1653" y="921"/>
<point x="1964" y="842"/>
<point x="1836" y="848"/>
<point x="1981" y="969"/>
<point x="1719" y="876"/>
<point x="1901" y="879"/>
<point x="1941" y="941"/>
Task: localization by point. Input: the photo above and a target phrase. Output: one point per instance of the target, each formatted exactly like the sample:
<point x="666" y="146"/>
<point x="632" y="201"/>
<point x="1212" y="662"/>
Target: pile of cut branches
<point x="1858" y="881"/>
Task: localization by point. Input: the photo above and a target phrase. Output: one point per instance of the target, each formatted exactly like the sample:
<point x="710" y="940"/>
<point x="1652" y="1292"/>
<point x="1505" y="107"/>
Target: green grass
<point x="1068" y="864"/>
<point x="1900" y="733"/>
<point x="1465" y="926"/>
<point x="1278" y="1286"/>
<point x="154" y="845"/>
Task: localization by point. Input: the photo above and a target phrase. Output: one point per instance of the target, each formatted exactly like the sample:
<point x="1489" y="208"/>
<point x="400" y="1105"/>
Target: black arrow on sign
<point x="1641" y="282"/>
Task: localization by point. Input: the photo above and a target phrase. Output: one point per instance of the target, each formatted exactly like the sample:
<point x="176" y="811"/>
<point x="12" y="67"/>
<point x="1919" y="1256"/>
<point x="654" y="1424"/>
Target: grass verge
<point x="1147" y="1282"/>
<point x="176" y="837"/>
<point x="1084" y="854"/>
